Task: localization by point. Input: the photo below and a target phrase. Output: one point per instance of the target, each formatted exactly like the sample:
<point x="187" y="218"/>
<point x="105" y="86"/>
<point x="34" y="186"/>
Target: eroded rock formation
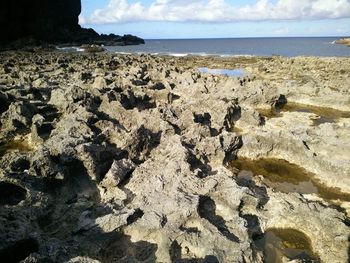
<point x="128" y="159"/>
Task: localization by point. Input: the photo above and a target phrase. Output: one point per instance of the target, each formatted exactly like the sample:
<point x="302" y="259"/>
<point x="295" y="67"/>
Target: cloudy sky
<point x="218" y="18"/>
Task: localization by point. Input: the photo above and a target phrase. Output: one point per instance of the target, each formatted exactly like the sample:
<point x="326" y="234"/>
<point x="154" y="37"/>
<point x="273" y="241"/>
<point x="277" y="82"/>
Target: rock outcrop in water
<point x="127" y="158"/>
<point x="50" y="21"/>
<point x="344" y="41"/>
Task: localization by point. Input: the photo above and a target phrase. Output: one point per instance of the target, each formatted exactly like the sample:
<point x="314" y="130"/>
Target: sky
<point x="168" y="19"/>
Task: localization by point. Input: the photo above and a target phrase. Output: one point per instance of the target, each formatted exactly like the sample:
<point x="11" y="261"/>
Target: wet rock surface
<point x="138" y="158"/>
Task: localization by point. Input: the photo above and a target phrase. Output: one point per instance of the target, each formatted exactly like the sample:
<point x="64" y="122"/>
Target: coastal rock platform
<point x="141" y="158"/>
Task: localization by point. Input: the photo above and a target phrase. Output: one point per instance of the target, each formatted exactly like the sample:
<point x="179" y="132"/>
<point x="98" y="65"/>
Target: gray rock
<point x="117" y="173"/>
<point x="130" y="157"/>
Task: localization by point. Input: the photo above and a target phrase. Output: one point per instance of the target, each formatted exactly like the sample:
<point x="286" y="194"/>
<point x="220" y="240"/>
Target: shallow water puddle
<point x="237" y="130"/>
<point x="286" y="243"/>
<point x="225" y="72"/>
<point x="326" y="115"/>
<point x="19" y="146"/>
<point x="285" y="177"/>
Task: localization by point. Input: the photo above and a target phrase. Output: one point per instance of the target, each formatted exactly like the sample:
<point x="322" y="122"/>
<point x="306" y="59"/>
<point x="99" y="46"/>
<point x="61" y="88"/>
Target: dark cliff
<point x="40" y="19"/>
<point x="52" y="21"/>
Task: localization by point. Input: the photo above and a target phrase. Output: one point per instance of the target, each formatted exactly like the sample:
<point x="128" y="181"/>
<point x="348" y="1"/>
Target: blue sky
<point x="218" y="18"/>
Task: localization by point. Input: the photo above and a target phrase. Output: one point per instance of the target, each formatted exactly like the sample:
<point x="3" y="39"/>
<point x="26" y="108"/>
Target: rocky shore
<point x="139" y="158"/>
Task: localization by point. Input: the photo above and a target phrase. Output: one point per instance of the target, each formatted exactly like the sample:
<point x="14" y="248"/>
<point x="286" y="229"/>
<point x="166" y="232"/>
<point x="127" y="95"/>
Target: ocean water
<point x="300" y="46"/>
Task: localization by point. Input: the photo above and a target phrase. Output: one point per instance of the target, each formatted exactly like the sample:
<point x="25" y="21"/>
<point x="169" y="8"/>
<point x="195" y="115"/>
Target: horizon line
<point x="207" y="38"/>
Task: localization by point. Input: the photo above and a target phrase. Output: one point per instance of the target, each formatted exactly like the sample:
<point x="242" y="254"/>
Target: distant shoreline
<point x="220" y="38"/>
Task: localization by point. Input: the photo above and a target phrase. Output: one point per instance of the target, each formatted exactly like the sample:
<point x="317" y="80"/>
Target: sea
<point x="227" y="47"/>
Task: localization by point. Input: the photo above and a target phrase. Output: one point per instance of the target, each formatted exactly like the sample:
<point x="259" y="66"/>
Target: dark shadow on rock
<point x="262" y="120"/>
<point x="281" y="101"/>
<point x="176" y="128"/>
<point x="234" y="114"/>
<point x="207" y="210"/>
<point x="49" y="112"/>
<point x="175" y="252"/>
<point x="131" y="101"/>
<point x="77" y="187"/>
<point x="259" y="191"/>
<point x="254" y="231"/>
<point x="135" y="216"/>
<point x="18" y="118"/>
<point x="44" y="131"/>
<point x="158" y="86"/>
<point x="232" y="154"/>
<point x="104" y="116"/>
<point x="65" y="227"/>
<point x="198" y="164"/>
<point x="84" y="98"/>
<point x="145" y="141"/>
<point x="172" y="97"/>
<point x="86" y="76"/>
<point x="19" y="250"/>
<point x="113" y="94"/>
<point x="176" y="257"/>
<point x="201" y="167"/>
<point x="11" y="194"/>
<point x="4" y="102"/>
<point x="42" y="128"/>
<point x="55" y="212"/>
<point x="36" y="94"/>
<point x="14" y="162"/>
<point x="204" y="119"/>
<point x="99" y="156"/>
<point x="189" y="229"/>
<point x="122" y="249"/>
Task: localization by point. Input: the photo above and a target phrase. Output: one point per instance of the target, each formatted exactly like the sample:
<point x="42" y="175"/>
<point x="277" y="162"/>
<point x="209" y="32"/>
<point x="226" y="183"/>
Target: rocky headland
<point x="139" y="158"/>
<point x="25" y="24"/>
<point x="344" y="41"/>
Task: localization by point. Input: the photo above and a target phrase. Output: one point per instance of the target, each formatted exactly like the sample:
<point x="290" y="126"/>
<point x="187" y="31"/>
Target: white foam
<point x="122" y="53"/>
<point x="201" y="54"/>
<point x="63" y="48"/>
<point x="78" y="49"/>
<point x="178" y="54"/>
<point x="236" y="56"/>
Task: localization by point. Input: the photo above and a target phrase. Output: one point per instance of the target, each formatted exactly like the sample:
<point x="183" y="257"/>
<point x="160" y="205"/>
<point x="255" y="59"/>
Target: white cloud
<point x="121" y="11"/>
